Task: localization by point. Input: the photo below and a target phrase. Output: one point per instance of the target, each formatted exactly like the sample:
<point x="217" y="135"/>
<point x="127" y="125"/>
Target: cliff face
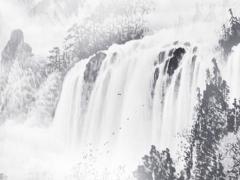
<point x="23" y="79"/>
<point x="16" y="48"/>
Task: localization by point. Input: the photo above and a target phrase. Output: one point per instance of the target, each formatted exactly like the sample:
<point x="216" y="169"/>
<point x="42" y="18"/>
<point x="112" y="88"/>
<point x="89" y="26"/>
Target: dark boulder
<point x="195" y="49"/>
<point x="194" y="58"/>
<point x="161" y="57"/>
<point x="174" y="60"/>
<point x="90" y="75"/>
<point x="166" y="66"/>
<point x="170" y="53"/>
<point x="155" y="78"/>
<point x="188" y="44"/>
<point x="93" y="67"/>
<point x="156" y="74"/>
<point x="175" y="43"/>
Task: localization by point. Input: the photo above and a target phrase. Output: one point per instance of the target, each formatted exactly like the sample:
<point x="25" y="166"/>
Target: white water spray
<point x="126" y="113"/>
<point x="113" y="119"/>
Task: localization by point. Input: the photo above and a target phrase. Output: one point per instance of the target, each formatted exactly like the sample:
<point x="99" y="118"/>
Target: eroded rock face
<point x="10" y="49"/>
<point x="15" y="48"/>
<point x="90" y="76"/>
<point x="170" y="59"/>
<point x="174" y="61"/>
<point x="14" y="58"/>
<point x="93" y="67"/>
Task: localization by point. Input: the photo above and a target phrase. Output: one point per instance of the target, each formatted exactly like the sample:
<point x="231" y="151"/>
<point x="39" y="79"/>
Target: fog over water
<point x="125" y="113"/>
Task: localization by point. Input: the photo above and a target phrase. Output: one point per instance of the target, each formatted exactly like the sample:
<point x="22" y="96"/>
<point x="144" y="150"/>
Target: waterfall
<point x="231" y="73"/>
<point x="131" y="102"/>
<point x="114" y="105"/>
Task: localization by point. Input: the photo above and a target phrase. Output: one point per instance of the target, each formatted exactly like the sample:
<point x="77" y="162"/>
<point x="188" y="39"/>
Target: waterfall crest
<point x="132" y="101"/>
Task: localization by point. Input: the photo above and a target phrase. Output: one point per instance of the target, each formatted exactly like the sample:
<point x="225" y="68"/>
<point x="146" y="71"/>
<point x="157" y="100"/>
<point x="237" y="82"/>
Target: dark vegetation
<point x="215" y="119"/>
<point x="173" y="58"/>
<point x="157" y="165"/>
<point x="41" y="78"/>
<point x="230" y="34"/>
<point x="89" y="38"/>
<point x="86" y="39"/>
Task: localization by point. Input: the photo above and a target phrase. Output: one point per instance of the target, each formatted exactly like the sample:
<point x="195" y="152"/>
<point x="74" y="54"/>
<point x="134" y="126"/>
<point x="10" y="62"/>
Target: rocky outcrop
<point x="90" y="76"/>
<point x="16" y="77"/>
<point x="93" y="67"/>
<point x="170" y="59"/>
<point x="16" y="48"/>
<point x="174" y="61"/>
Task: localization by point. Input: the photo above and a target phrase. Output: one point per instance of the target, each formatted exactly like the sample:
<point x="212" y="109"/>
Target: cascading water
<point x="133" y="102"/>
<point x="116" y="104"/>
<point x="231" y="72"/>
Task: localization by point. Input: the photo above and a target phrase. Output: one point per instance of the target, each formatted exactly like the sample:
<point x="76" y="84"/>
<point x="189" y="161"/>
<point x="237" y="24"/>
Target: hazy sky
<point x="45" y="22"/>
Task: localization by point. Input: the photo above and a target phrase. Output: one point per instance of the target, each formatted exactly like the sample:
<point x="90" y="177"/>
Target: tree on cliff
<point x="213" y="139"/>
<point x="87" y="38"/>
<point x="157" y="165"/>
<point x="230" y="34"/>
<point x="208" y="129"/>
<point x="230" y="144"/>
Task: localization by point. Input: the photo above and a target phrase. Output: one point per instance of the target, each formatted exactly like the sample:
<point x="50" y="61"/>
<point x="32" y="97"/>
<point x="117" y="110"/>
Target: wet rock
<point x="161" y="57"/>
<point x="193" y="64"/>
<point x="194" y="58"/>
<point x="93" y="67"/>
<point x="174" y="61"/>
<point x="195" y="49"/>
<point x="166" y="66"/>
<point x="172" y="66"/>
<point x="156" y="74"/>
<point x="155" y="78"/>
<point x="188" y="44"/>
<point x="177" y="84"/>
<point x="90" y="76"/>
<point x="113" y="58"/>
<point x="175" y="43"/>
<point x="170" y="53"/>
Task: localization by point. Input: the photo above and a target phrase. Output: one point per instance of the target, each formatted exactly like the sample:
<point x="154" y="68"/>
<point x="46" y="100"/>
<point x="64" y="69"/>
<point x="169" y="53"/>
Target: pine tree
<point x="230" y="34"/>
<point x="209" y="128"/>
<point x="157" y="166"/>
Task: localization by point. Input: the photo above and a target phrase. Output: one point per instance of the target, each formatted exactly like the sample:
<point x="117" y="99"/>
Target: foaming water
<point x="128" y="109"/>
<point x="113" y="106"/>
<point x="232" y="72"/>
